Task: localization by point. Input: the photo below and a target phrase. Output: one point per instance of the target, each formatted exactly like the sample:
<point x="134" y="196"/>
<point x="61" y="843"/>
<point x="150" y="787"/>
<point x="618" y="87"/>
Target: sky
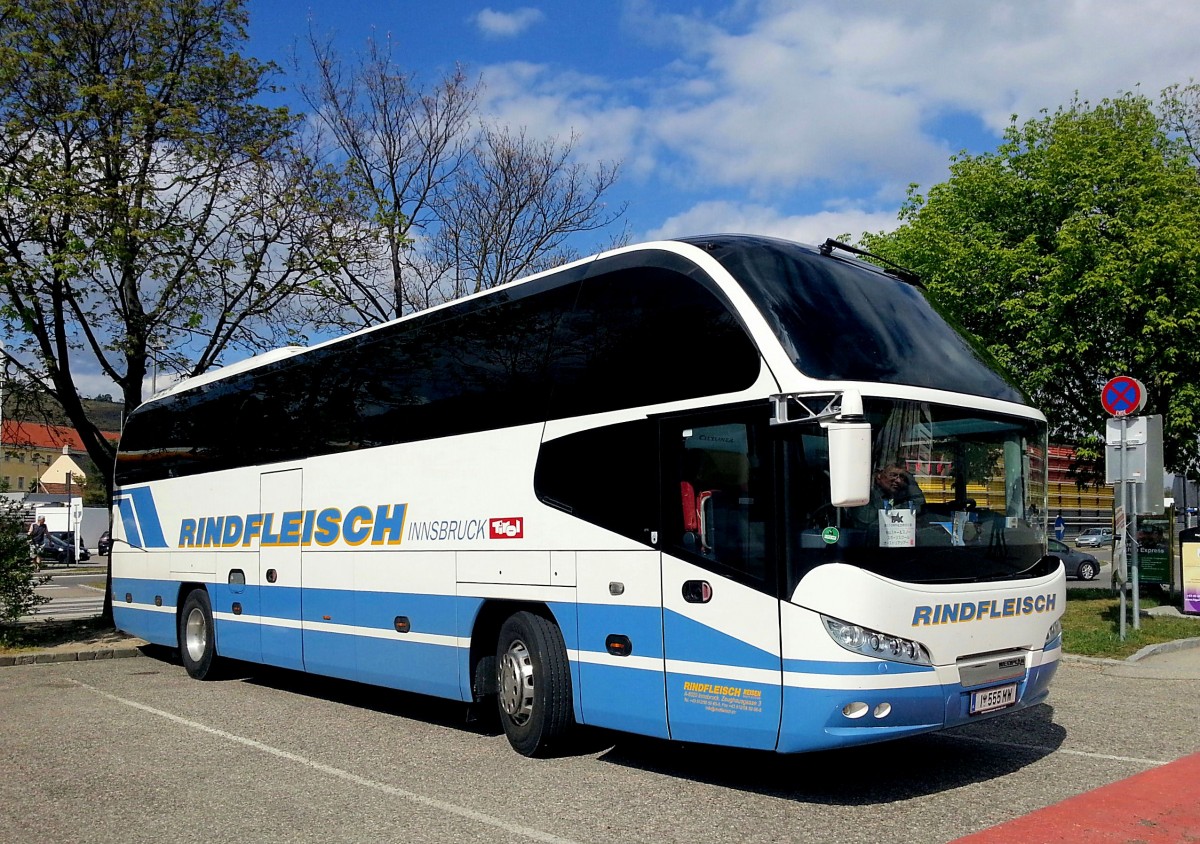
<point x="803" y="119"/>
<point x="798" y="119"/>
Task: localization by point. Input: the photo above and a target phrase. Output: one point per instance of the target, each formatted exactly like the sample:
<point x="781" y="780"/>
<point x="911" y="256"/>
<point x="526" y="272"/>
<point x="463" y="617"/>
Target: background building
<point x="38" y="458"/>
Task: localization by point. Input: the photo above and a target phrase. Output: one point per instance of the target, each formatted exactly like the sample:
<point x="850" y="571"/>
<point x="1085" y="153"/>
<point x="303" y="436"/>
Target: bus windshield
<point x="956" y="496"/>
<point x="843" y="320"/>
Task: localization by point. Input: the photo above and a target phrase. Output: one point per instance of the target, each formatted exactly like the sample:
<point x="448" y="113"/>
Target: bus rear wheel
<point x="533" y="684"/>
<point x="197" y="637"/>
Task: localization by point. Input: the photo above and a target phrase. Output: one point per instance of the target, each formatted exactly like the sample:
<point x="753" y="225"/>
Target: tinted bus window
<point x="635" y="336"/>
<point x="607" y="476"/>
<point x="647" y="335"/>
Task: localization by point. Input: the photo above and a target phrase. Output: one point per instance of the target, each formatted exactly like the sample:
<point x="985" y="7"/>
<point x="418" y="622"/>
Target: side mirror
<point x="849" y="454"/>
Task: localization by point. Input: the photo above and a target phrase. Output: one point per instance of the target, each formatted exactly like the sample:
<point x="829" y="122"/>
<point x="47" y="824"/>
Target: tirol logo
<point x="510" y="527"/>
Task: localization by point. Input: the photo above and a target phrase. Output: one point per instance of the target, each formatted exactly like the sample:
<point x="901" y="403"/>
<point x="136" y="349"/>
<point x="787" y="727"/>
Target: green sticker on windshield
<point x="830" y="535"/>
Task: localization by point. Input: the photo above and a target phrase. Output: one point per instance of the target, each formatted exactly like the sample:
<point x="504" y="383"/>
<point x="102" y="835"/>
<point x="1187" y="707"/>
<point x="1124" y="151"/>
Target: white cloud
<point x="787" y="106"/>
<point x="495" y="24"/>
<point x="826" y="93"/>
<point x="551" y="103"/>
<point x="717" y="217"/>
<point x="91" y="384"/>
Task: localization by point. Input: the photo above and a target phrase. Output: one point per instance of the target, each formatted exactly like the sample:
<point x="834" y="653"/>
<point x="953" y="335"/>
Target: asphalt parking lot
<point x="133" y="750"/>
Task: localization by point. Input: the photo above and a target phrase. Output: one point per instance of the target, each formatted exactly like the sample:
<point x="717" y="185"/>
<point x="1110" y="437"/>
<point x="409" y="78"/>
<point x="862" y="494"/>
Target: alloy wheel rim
<point x="195" y="635"/>
<point x="516" y="682"/>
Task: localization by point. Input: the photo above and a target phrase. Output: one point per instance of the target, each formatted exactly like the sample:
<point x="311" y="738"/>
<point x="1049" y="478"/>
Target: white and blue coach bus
<point x="636" y="492"/>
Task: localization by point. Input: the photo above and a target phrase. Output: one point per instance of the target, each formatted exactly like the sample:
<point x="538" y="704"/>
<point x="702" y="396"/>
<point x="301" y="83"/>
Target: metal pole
<point x="1137" y="620"/>
<point x="1120" y="546"/>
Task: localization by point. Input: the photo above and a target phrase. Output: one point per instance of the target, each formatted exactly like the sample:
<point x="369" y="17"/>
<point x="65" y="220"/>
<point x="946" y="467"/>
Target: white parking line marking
<point x="440" y="805"/>
<point x="1150" y="763"/>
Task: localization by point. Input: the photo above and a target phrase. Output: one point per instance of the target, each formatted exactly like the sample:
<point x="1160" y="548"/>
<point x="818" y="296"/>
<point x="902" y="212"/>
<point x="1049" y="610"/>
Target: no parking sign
<point x="1123" y="396"/>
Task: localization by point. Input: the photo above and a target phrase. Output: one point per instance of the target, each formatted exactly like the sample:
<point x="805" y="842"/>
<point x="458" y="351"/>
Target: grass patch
<point x="41" y="635"/>
<point x="1091" y="624"/>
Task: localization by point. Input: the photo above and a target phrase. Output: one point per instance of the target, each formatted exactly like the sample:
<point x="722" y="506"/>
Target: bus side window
<point x="607" y="476"/>
<point x="720" y="502"/>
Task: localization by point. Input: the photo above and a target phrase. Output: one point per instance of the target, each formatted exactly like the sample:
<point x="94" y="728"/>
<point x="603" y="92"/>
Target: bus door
<point x="279" y="571"/>
<point x="721" y="628"/>
<point x="620" y="641"/>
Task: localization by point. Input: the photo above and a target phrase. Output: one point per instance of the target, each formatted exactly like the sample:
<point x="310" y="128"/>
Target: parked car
<point x="60" y="548"/>
<point x="1077" y="563"/>
<point x="1094" y="537"/>
<point x="104" y="544"/>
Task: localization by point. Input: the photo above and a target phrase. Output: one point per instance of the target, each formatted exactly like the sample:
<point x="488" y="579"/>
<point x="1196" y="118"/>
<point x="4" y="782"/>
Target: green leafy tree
<point x="1073" y="253"/>
<point x="17" y="578"/>
<point x="154" y="217"/>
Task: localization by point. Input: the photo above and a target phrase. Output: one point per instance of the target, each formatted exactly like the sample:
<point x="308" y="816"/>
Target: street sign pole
<point x="1123" y="397"/>
<point x="1125" y="527"/>
<point x="1137" y="616"/>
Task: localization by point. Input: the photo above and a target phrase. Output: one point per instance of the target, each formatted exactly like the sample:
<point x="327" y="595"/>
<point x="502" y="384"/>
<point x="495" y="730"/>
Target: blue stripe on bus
<point x="453" y="616"/>
<point x="129" y="521"/>
<point x="640" y="705"/>
<point x="874" y="667"/>
<point x="434" y="614"/>
<point x="155" y="627"/>
<point x="813" y="718"/>
<point x="413" y="666"/>
<point x="148" y="521"/>
<point x="715" y="710"/>
<point x="643" y="626"/>
<point x="239" y="639"/>
<point x="691" y="641"/>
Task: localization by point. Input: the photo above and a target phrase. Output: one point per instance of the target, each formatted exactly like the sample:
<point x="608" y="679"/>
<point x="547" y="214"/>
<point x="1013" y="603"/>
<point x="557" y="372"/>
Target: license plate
<point x="987" y="700"/>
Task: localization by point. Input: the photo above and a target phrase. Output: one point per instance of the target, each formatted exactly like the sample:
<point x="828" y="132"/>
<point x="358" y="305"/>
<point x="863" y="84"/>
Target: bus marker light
<point x="158" y="600"/>
<point x="402" y="624"/>
<point x="237" y="608"/>
<point x="618" y="645"/>
<point x="616" y="588"/>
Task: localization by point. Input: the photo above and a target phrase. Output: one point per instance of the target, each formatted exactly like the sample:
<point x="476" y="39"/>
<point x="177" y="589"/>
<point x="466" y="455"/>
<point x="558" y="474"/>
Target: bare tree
<point x="458" y="206"/>
<point x="401" y="147"/>
<point x="515" y="205"/>
<point x="1179" y="108"/>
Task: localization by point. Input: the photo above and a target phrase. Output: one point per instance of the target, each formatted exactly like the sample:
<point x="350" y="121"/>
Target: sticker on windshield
<point x="830" y="535"/>
<point x="897" y="528"/>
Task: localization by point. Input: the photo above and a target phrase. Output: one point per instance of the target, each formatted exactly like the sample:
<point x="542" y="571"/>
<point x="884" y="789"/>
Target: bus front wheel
<point x="197" y="636"/>
<point x="533" y="684"/>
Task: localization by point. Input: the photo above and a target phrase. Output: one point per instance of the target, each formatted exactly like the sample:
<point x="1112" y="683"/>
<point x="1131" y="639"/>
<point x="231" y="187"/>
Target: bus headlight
<point x="1055" y="632"/>
<point x="863" y="640"/>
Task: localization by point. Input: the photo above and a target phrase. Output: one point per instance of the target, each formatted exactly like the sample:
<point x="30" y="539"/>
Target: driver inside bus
<point x="893" y="488"/>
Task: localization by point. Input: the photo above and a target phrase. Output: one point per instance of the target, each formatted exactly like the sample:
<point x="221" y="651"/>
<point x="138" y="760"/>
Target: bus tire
<point x="533" y="684"/>
<point x="197" y="637"/>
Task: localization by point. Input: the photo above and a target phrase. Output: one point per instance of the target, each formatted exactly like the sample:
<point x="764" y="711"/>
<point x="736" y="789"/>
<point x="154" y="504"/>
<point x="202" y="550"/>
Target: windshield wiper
<point x="894" y="269"/>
